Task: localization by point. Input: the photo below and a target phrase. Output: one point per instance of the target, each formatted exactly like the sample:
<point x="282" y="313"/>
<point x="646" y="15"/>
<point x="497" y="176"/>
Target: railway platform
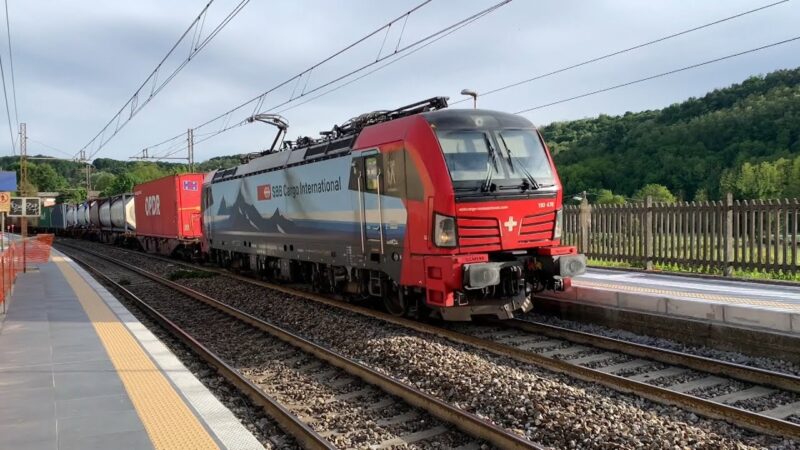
<point x="749" y="304"/>
<point x="78" y="370"/>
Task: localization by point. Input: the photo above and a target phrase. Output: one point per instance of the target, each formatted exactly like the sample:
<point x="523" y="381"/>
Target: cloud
<point x="77" y="62"/>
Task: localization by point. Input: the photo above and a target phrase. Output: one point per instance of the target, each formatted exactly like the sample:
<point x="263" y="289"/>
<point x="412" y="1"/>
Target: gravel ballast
<point x="548" y="408"/>
<point x="336" y="404"/>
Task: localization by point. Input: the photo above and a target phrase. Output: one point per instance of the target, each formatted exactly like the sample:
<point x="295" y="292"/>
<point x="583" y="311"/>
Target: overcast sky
<point x="77" y="62"/>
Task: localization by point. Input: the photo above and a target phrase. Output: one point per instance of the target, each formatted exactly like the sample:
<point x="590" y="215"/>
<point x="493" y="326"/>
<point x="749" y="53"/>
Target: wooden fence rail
<point x="725" y="235"/>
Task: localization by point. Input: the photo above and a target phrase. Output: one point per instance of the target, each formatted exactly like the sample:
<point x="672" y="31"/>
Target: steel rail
<point x="737" y="416"/>
<point x="465" y="421"/>
<point x="728" y="369"/>
<point x="287" y="421"/>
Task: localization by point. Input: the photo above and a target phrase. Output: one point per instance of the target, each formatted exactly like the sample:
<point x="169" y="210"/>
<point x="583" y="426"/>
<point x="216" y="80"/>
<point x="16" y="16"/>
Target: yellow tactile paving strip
<point x="168" y="420"/>
<point x="698" y="295"/>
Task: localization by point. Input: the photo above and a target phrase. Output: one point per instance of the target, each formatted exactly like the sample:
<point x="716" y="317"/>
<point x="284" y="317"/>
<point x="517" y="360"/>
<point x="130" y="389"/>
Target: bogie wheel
<point x="394" y="301"/>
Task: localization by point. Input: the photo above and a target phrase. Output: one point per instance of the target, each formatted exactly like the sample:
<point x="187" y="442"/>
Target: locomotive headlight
<point x="559" y="224"/>
<point x="444" y="231"/>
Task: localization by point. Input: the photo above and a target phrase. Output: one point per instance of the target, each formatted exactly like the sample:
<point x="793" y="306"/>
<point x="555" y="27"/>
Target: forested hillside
<point x="108" y="176"/>
<point x="744" y="138"/>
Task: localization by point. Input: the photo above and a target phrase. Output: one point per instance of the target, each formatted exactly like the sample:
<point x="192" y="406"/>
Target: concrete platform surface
<point x="773" y="307"/>
<point x="77" y="370"/>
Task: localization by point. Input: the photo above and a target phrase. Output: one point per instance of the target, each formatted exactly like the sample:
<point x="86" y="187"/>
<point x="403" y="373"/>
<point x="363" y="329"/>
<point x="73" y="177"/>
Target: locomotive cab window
<point x="372" y="172"/>
<point x="365" y="173"/>
<point x="504" y="157"/>
<point x="387" y="171"/>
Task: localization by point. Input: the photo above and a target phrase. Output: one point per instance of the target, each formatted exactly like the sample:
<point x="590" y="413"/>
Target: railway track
<point x="321" y="398"/>
<point x="749" y="397"/>
<point x="707" y="387"/>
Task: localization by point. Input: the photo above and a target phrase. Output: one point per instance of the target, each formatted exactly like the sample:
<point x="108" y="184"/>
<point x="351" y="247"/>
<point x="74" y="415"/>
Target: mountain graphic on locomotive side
<point x="453" y="213"/>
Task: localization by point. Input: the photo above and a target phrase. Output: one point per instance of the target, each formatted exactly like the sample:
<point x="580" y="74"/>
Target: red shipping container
<point x="169" y="207"/>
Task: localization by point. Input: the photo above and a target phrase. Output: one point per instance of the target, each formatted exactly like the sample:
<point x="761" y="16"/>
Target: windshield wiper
<point x="487" y="183"/>
<point x="533" y="182"/>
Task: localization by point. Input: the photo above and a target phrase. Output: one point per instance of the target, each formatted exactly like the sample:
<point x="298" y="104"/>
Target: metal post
<point x="728" y="230"/>
<point x="648" y="233"/>
<point x="23" y="158"/>
<point x="3" y="255"/>
<point x="24" y="246"/>
<point x="190" y="148"/>
<point x="584" y="219"/>
<point x="23" y="169"/>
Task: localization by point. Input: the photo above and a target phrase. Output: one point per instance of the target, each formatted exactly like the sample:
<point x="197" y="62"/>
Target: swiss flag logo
<point x="265" y="192"/>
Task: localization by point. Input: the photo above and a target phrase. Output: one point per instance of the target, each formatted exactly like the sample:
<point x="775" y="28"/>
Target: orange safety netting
<point x="37" y="248"/>
<point x="32" y="250"/>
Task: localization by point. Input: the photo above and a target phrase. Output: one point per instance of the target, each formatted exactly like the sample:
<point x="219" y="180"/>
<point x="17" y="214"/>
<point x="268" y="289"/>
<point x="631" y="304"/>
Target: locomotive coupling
<point x="483" y="275"/>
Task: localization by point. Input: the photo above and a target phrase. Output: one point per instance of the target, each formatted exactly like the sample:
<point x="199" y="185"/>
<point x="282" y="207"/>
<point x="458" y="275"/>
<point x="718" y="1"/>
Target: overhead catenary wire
<point x="623" y="51"/>
<point x="8" y="112"/>
<point x="415" y="45"/>
<point x="314" y="66"/>
<point x="397" y="59"/>
<point x="663" y="74"/>
<point x="298" y="78"/>
<point x="11" y="66"/>
<point x="55" y="149"/>
<point x="130" y="108"/>
<point x="428" y="41"/>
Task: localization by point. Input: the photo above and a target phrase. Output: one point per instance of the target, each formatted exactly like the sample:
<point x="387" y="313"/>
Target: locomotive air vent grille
<point x="537" y="227"/>
<point x="478" y="234"/>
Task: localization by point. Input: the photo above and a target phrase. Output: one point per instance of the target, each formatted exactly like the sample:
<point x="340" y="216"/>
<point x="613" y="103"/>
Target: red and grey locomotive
<point x="455" y="212"/>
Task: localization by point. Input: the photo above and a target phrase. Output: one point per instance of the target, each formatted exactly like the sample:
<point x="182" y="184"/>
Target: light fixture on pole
<point x="472" y="94"/>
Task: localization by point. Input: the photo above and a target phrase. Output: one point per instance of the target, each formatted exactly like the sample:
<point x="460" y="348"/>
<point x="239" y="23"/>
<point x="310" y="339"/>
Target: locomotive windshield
<point x="489" y="159"/>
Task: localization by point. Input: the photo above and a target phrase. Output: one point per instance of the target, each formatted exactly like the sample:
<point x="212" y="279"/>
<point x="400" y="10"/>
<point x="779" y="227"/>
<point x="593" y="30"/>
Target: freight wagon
<point x="54" y="218"/>
<point x="116" y="217"/>
<point x="94" y="214"/>
<point x="72" y="216"/>
<point x="168" y="214"/>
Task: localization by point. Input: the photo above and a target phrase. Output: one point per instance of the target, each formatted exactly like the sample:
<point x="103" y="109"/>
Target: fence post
<point x="728" y="236"/>
<point x="584" y="219"/>
<point x="648" y="233"/>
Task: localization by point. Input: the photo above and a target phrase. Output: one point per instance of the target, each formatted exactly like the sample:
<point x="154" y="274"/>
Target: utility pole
<point x="190" y="148"/>
<point x="88" y="169"/>
<point x="23" y="160"/>
<point x="24" y="188"/>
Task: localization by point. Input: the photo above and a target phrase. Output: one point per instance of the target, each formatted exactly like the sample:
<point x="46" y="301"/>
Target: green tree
<point x="658" y="192"/>
<point x="793" y="179"/>
<point x="45" y="178"/>
<point x="143" y="172"/>
<point x="75" y="195"/>
<point x="122" y="184"/>
<point x="101" y="181"/>
<point x="606" y="197"/>
<point x="696" y="145"/>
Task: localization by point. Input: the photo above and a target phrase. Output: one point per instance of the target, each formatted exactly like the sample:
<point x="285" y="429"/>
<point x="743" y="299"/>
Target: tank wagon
<point x="82" y="214"/>
<point x="451" y="212"/>
<point x="116" y="219"/>
<point x="72" y="216"/>
<point x="94" y="214"/>
<point x="168" y="215"/>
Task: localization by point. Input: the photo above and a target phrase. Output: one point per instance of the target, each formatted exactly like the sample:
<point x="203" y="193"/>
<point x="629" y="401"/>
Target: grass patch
<point x="182" y="274"/>
<point x="679" y="269"/>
